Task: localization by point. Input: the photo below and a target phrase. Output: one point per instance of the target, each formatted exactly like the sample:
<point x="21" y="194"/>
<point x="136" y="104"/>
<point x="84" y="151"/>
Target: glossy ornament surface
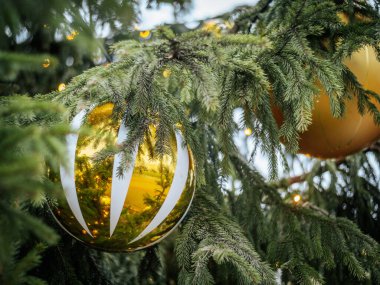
<point x="122" y="213"/>
<point x="329" y="137"/>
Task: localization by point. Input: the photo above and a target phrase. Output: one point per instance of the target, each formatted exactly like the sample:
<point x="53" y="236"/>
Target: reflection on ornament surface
<point x="329" y="137"/>
<point x="128" y="212"/>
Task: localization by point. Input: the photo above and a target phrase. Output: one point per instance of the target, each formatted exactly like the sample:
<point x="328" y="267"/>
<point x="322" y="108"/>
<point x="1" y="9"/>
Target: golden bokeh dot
<point x="145" y="34"/>
<point x="297" y="198"/>
<point x="46" y="63"/>
<point x="105" y="200"/>
<point x="72" y="35"/>
<point x="61" y="87"/>
<point x="248" y="132"/>
<point x="166" y="73"/>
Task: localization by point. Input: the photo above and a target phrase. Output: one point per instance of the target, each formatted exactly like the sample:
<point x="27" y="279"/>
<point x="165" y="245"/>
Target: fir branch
<point x="206" y="235"/>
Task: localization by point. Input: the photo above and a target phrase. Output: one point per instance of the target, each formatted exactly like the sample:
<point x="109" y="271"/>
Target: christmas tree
<point x="295" y="80"/>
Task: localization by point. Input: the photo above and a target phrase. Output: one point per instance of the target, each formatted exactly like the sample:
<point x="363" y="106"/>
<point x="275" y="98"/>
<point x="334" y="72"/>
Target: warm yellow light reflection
<point x="61" y="87"/>
<point x="105" y="200"/>
<point x="166" y="73"/>
<point x="248" y="132"/>
<point x="297" y="198"/>
<point x="145" y="34"/>
<point x="46" y="63"/>
<point x="72" y="35"/>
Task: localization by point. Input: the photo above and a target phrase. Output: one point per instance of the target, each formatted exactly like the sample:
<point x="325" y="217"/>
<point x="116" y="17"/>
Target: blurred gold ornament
<point x="248" y="132"/>
<point x="46" y="63"/>
<point x="329" y="137"/>
<point x="166" y="73"/>
<point x="61" y="87"/>
<point x="145" y="34"/>
<point x="122" y="212"/>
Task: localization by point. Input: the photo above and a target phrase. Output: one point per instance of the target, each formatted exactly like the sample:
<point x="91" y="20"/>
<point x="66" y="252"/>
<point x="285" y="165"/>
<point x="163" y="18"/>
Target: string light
<point x="248" y="132"/>
<point x="297" y="198"/>
<point x="145" y="34"/>
<point x="61" y="87"/>
<point x="46" y="63"/>
<point x="166" y="73"/>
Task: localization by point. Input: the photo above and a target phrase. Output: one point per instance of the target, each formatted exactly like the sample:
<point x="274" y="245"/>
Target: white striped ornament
<point x="182" y="181"/>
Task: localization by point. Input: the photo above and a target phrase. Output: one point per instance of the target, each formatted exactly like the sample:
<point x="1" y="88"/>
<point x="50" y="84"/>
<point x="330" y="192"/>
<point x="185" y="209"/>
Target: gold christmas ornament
<point x="329" y="137"/>
<point x="122" y="213"/>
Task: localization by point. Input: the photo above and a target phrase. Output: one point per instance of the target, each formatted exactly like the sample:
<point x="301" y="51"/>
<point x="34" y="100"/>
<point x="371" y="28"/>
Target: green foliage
<point x="303" y="239"/>
<point x="31" y="136"/>
<point x="209" y="235"/>
<point x="40" y="30"/>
